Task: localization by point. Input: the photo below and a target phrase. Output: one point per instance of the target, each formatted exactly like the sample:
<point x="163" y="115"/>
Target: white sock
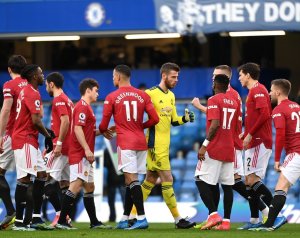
<point x="177" y="219"/>
<point x="254" y="220"/>
<point x="124" y="218"/>
<point x="265" y="212"/>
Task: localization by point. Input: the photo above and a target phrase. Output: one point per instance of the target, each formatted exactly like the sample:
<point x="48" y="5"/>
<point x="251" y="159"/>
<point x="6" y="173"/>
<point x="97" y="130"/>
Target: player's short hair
<point x="225" y="67"/>
<point x="124" y="70"/>
<point x="167" y="67"/>
<point x="284" y="85"/>
<point x="56" y="78"/>
<point x="16" y="63"/>
<point x="29" y="71"/>
<point x="250" y="68"/>
<point x="222" y="80"/>
<point x="87" y="83"/>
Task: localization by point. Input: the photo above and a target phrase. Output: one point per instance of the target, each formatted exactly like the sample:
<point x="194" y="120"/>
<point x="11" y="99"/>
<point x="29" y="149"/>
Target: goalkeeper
<point x="158" y="138"/>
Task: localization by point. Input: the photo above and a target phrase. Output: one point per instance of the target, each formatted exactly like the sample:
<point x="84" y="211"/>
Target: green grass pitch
<point x="162" y="230"/>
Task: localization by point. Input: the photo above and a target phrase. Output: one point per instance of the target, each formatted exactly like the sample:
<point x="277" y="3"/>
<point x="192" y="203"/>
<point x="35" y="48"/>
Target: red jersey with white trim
<point x="258" y="97"/>
<point x="12" y="89"/>
<point x="83" y="116"/>
<point x="61" y="105"/>
<point x="28" y="103"/>
<point x="287" y="116"/>
<point x="238" y="143"/>
<point x="223" y="108"/>
<point x="127" y="105"/>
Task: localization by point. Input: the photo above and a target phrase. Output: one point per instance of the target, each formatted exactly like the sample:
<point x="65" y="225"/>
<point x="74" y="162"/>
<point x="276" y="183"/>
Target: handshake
<point x="188" y="116"/>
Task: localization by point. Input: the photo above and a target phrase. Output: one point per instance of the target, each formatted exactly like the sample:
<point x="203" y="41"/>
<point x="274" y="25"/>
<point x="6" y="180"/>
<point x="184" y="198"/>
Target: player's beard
<point x="274" y="102"/>
<point x="169" y="85"/>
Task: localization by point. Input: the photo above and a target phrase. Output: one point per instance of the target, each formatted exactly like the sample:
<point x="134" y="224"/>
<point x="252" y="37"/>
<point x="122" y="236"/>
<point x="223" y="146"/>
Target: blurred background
<point x="92" y="37"/>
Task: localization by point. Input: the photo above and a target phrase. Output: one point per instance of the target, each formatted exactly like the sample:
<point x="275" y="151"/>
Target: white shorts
<point x="7" y="160"/>
<point x="57" y="167"/>
<point x="214" y="171"/>
<point x="291" y="167"/>
<point x="238" y="162"/>
<point x="132" y="161"/>
<point x="256" y="160"/>
<point x="29" y="160"/>
<point x="83" y="170"/>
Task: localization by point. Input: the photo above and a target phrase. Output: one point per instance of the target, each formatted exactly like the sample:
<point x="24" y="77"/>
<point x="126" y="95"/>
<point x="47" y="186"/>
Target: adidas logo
<point x="161" y="101"/>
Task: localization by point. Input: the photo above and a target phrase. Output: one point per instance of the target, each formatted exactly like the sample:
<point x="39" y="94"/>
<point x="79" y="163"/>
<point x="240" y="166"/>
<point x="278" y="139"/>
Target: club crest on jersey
<point x="166" y="109"/>
<point x="37" y="103"/>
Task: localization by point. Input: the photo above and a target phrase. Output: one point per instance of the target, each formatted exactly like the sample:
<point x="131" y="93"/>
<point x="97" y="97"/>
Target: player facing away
<point x="81" y="157"/>
<point x="58" y="168"/>
<point x="127" y="105"/>
<point x="286" y="118"/>
<point x="216" y="155"/>
<point x="11" y="91"/>
<point x="25" y="144"/>
<point x="239" y="186"/>
<point x="257" y="140"/>
<point x="158" y="137"/>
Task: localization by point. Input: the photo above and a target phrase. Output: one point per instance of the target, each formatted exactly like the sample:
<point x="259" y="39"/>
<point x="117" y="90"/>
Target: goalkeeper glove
<point x="189" y="116"/>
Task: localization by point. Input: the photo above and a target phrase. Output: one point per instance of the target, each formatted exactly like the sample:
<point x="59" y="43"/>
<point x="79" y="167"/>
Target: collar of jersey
<point x="162" y="89"/>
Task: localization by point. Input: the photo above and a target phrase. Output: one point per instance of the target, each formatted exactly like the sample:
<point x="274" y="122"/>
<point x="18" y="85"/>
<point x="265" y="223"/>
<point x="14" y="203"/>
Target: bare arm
<point x="5" y="113"/>
<point x="63" y="130"/>
<point x="215" y="124"/>
<point x="196" y="103"/>
<point x="37" y="122"/>
<point x="82" y="141"/>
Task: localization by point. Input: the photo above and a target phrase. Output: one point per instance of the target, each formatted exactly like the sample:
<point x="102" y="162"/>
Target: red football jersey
<point x="287" y="116"/>
<point x="258" y="98"/>
<point x="28" y="103"/>
<point x="127" y="105"/>
<point x="12" y="89"/>
<point x="238" y="143"/>
<point x="83" y="115"/>
<point x="223" y="108"/>
<point x="61" y="105"/>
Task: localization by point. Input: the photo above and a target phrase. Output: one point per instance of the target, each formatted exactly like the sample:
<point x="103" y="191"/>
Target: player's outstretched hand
<point x="189" y="115"/>
<point x="48" y="144"/>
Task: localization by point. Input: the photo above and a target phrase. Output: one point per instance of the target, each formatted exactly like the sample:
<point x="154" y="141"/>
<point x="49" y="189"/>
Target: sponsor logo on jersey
<point x="212" y="106"/>
<point x="276" y="115"/>
<point x="60" y="104"/>
<point x="259" y="95"/>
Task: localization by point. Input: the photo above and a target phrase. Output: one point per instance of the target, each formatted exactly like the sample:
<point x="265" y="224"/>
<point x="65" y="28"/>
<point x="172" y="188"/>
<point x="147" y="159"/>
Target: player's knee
<point x="89" y="188"/>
